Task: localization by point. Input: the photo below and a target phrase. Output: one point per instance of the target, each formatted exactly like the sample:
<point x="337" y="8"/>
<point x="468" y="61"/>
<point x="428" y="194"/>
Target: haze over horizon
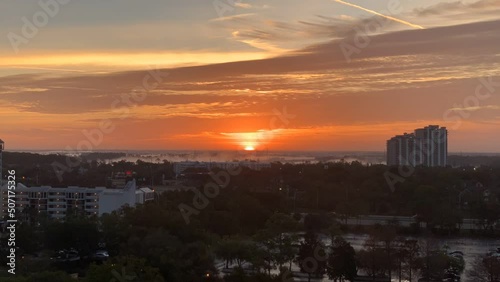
<point x="260" y="76"/>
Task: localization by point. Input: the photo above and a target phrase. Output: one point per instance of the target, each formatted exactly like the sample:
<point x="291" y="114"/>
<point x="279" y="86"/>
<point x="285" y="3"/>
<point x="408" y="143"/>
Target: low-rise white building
<point x="57" y="202"/>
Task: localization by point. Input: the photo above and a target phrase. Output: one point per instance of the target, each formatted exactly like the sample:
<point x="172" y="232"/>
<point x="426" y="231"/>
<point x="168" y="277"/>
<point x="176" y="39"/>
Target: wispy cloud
<point x="239" y="17"/>
<point x="477" y="108"/>
<point x="458" y="12"/>
<point x="243" y="5"/>
<point x="393" y="79"/>
<point x="452" y="8"/>
<point x="380" y="14"/>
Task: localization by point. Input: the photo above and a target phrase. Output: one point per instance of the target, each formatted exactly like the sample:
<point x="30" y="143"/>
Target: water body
<point x="472" y="248"/>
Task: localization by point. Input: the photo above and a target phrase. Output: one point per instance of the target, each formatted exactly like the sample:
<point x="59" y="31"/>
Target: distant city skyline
<point x="258" y="75"/>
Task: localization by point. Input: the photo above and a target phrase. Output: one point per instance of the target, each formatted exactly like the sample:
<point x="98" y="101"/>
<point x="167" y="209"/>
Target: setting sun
<point x="249" y="141"/>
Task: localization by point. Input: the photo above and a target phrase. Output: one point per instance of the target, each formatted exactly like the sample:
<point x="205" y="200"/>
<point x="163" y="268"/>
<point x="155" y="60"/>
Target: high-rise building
<point x="399" y="150"/>
<point x="432" y="143"/>
<point x="428" y="146"/>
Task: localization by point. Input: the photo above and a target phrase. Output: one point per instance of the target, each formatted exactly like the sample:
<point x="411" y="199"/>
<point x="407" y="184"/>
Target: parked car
<point x="100" y="255"/>
<point x="67" y="255"/>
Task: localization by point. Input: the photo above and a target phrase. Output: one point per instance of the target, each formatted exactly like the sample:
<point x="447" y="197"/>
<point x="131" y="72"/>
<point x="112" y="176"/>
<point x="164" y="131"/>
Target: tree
<point x="175" y="259"/>
<point x="47" y="276"/>
<point x="437" y="264"/>
<point x="239" y="275"/>
<point x="261" y="258"/>
<point x="333" y="231"/>
<point x="411" y="256"/>
<point x="312" y="256"/>
<point x="28" y="238"/>
<point x="373" y="259"/>
<point x="224" y="250"/>
<point x="237" y="250"/>
<point x="487" y="214"/>
<point x="243" y="252"/>
<point x="114" y="231"/>
<point x="276" y="239"/>
<point x="127" y="268"/>
<point x="286" y="251"/>
<point x="43" y="276"/>
<point x="316" y="222"/>
<point x="386" y="236"/>
<point x="79" y="233"/>
<point x="448" y="219"/>
<point x="485" y="269"/>
<point x="341" y="261"/>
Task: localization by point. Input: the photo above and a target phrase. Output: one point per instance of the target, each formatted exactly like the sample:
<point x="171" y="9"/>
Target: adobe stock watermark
<point x="122" y="105"/>
<point x="222" y="178"/>
<point x="355" y="44"/>
<point x="211" y="190"/>
<point x="222" y="7"/>
<point x="283" y="116"/>
<point x="280" y="120"/>
<point x="31" y="26"/>
<point x="422" y="153"/>
<point x="287" y="276"/>
<point x="314" y="266"/>
<point x="483" y="91"/>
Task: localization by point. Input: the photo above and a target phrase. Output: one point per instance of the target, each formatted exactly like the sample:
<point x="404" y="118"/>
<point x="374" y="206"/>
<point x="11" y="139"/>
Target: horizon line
<point x="222" y="150"/>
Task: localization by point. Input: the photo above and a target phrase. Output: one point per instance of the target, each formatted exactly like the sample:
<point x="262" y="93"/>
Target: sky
<point x="231" y="75"/>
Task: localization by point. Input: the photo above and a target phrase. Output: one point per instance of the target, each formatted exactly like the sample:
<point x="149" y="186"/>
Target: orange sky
<point x="259" y="77"/>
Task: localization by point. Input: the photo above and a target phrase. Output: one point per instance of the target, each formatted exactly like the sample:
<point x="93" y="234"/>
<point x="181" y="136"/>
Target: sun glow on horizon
<point x="249" y="141"/>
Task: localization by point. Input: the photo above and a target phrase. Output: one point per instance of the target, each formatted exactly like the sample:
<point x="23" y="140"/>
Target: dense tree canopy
<point x="264" y="223"/>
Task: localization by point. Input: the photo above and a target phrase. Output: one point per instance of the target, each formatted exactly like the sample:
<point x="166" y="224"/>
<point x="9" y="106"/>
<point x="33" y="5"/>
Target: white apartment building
<point x="57" y="202"/>
<point x="427" y="146"/>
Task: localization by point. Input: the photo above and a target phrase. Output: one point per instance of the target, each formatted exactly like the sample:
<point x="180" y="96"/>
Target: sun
<point x="248" y="141"/>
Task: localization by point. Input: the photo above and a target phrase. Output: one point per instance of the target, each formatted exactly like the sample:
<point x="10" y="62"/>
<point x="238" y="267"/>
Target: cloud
<point x="243" y="5"/>
<point x="102" y="62"/>
<point x="410" y="76"/>
<point x="417" y="58"/>
<point x="398" y="20"/>
<point x="451" y="8"/>
<point x="259" y="40"/>
<point x="300" y="33"/>
<point x="476" y="108"/>
<point x="245" y="18"/>
<point x="458" y="12"/>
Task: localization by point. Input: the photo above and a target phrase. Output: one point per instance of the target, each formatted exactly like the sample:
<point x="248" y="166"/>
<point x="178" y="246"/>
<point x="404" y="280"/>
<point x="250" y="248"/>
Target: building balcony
<point x="57" y="201"/>
<point x="57" y="209"/>
<point x="60" y="196"/>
